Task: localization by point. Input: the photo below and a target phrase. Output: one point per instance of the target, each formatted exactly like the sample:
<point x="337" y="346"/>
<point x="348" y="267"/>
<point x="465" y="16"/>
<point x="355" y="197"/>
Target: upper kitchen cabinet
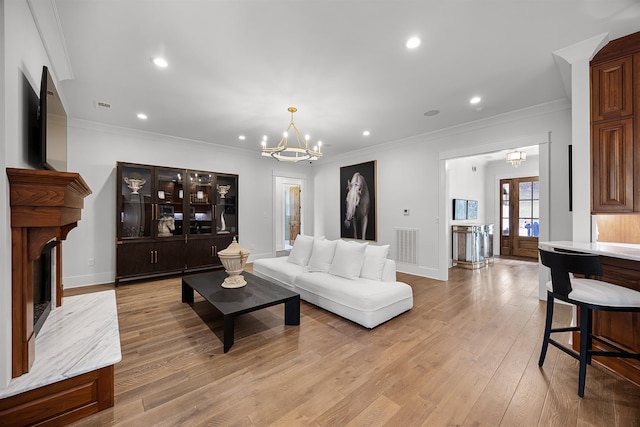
<point x="615" y="121"/>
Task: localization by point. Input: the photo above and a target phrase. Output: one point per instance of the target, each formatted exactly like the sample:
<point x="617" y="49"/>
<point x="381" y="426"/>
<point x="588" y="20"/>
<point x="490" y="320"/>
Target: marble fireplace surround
<point x="45" y="205"/>
<point x="67" y="372"/>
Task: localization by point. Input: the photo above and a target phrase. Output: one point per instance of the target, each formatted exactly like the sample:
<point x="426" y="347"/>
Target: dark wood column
<point x="45" y="205"/>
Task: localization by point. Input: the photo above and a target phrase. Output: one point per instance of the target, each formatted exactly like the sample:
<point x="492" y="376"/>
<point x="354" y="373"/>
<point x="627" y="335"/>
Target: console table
<point x="472" y="245"/>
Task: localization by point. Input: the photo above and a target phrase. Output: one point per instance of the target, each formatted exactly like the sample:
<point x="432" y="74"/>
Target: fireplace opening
<point x="43" y="281"/>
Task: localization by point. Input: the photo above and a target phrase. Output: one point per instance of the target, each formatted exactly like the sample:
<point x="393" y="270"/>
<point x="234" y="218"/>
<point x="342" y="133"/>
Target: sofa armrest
<point x="389" y="271"/>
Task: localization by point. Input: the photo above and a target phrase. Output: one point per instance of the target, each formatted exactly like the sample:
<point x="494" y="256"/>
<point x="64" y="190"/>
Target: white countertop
<point x="614" y="250"/>
<point x="80" y="336"/>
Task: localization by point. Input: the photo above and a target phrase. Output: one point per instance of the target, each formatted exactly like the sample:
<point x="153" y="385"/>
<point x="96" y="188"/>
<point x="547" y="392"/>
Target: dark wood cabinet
<point x="615" y="121"/>
<point x="169" y="255"/>
<point x="148" y="258"/>
<point x="170" y="220"/>
<point x="203" y="251"/>
<point x="612" y="166"/>
<point x="615" y="180"/>
<point x="134" y="258"/>
<point x="612" y="89"/>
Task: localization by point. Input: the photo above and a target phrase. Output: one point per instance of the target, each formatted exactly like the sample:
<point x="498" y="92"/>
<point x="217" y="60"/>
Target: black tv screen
<point x="48" y="147"/>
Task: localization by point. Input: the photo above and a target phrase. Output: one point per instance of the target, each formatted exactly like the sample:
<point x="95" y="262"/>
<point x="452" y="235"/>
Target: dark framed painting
<point x="459" y="209"/>
<point x="358" y="201"/>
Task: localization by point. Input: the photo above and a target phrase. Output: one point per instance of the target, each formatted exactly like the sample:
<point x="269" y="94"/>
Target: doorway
<point x="520" y="216"/>
<point x="291" y="215"/>
<point x="289" y="211"/>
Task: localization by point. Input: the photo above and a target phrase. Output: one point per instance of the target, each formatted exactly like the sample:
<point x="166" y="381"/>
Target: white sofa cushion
<point x="278" y="270"/>
<point x="348" y="259"/>
<point x="374" y="259"/>
<point x="389" y="271"/>
<point x="301" y="251"/>
<point x="322" y="255"/>
<point x="364" y="301"/>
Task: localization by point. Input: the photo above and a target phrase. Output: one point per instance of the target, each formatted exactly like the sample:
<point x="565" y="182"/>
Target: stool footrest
<point x="567" y="350"/>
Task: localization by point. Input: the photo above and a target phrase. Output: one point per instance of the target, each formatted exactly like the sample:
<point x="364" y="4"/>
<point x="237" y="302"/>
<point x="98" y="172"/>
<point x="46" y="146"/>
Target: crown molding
<point x="45" y="16"/>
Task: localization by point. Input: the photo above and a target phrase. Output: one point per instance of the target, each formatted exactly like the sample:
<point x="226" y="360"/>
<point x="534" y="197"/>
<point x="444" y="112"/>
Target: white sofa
<point x="352" y="279"/>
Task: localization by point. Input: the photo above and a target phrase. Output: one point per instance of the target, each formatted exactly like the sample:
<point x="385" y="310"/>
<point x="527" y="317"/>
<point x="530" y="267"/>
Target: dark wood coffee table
<point x="257" y="294"/>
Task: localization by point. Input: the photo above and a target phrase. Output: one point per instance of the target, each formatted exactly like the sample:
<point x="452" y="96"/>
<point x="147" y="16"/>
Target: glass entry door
<point x="520" y="216"/>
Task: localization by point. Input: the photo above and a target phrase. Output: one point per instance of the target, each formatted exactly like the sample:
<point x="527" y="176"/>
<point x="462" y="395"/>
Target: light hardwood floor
<point x="465" y="355"/>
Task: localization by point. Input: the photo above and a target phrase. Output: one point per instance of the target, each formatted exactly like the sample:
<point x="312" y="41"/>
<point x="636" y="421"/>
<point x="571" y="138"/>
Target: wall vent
<point x="407" y="245"/>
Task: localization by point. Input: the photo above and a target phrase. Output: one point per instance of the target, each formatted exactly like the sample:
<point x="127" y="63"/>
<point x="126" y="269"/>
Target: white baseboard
<point x="88" y="280"/>
<point x="431" y="273"/>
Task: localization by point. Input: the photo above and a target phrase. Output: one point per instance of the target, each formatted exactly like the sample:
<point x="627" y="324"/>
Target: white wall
<point x="23" y="56"/>
<point x="400" y="183"/>
<point x="466" y="181"/>
<point x="93" y="152"/>
<point x="408" y="177"/>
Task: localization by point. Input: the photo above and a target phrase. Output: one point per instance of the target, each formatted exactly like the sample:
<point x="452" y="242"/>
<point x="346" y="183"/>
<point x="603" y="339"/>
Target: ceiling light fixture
<point x="412" y="43"/>
<point x="516" y="157"/>
<point x="241" y="137"/>
<point x="366" y="133"/>
<point x="475" y="100"/>
<point x="160" y="62"/>
<point x="142" y="116"/>
<point x="290" y="153"/>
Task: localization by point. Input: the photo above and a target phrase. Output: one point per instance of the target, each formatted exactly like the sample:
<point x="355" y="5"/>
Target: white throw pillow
<point x="347" y="261"/>
<point x="322" y="255"/>
<point x="301" y="251"/>
<point x="374" y="259"/>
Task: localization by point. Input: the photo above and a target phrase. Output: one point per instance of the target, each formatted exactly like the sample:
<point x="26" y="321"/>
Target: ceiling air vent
<point x="101" y="104"/>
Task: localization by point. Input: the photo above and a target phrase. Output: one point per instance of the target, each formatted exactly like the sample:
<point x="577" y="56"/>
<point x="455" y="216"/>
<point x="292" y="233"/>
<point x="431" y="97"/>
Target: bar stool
<point x="588" y="295"/>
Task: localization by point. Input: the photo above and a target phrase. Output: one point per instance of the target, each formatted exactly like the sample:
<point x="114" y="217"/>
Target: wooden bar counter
<point x="621" y="266"/>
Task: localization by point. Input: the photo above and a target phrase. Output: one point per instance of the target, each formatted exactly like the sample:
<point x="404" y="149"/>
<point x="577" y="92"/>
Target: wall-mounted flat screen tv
<point x="48" y="148"/>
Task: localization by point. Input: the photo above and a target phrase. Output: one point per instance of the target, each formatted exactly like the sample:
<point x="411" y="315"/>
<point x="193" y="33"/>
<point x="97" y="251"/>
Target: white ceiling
<point x="236" y="65"/>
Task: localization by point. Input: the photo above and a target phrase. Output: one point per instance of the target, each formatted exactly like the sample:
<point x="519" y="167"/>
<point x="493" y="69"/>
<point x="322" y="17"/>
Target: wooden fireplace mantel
<point x="45" y="205"/>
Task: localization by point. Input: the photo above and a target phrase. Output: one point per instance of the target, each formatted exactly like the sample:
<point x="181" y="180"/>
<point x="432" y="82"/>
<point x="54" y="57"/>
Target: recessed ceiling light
<point x="142" y="116"/>
<point x="475" y="100"/>
<point x="366" y="133"/>
<point x="160" y="62"/>
<point x="412" y="43"/>
<point x="241" y="137"/>
<point x="432" y="113"/>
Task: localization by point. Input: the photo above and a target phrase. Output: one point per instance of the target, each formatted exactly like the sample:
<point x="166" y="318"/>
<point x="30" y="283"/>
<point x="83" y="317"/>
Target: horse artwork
<point x="358" y="211"/>
<point x="166" y="225"/>
<point x="358" y="204"/>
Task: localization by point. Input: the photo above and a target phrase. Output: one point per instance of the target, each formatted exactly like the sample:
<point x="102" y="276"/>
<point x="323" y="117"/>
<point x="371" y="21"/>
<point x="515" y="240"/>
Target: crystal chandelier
<point x="516" y="157"/>
<point x="292" y="153"/>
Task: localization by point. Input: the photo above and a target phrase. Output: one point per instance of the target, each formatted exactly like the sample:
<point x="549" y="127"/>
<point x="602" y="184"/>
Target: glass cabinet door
<point x="226" y="199"/>
<point x="200" y="203"/>
<point x="169" y="196"/>
<point x="135" y="202"/>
